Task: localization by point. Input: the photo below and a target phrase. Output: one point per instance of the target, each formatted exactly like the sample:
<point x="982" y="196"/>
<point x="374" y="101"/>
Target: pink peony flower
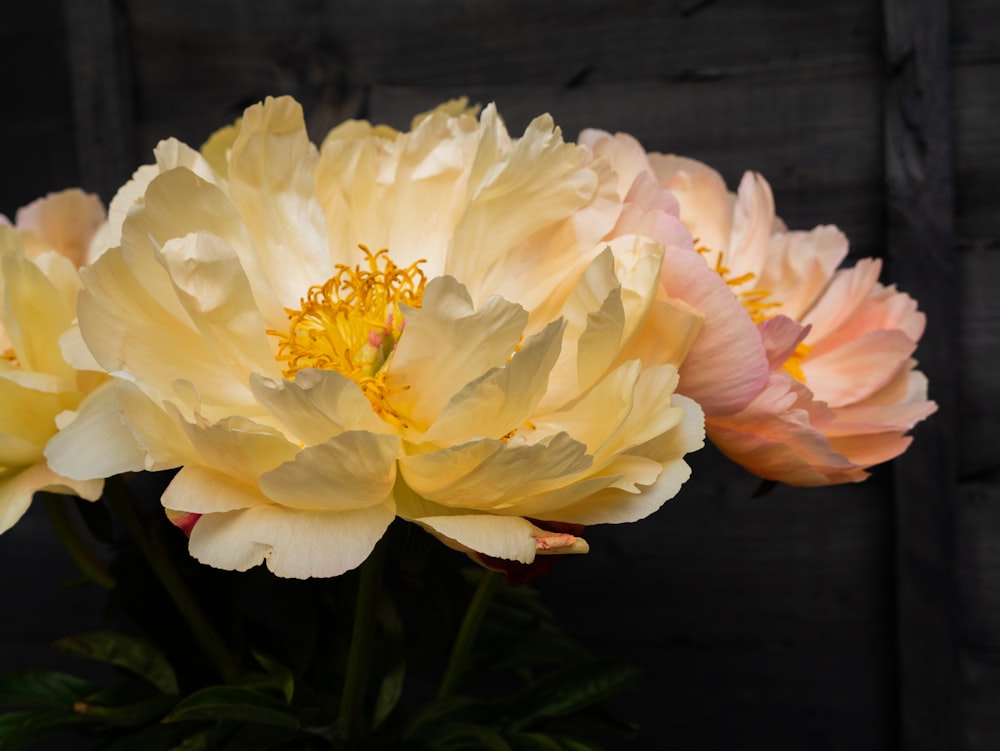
<point x="840" y="388"/>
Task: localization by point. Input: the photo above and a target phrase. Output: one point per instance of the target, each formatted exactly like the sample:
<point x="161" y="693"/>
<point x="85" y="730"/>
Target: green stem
<point x="467" y="633"/>
<point x="362" y="641"/>
<point x="152" y="549"/>
<point x="85" y="558"/>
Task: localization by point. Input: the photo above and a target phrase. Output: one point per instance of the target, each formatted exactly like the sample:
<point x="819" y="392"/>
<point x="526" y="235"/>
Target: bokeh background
<point x="862" y="617"/>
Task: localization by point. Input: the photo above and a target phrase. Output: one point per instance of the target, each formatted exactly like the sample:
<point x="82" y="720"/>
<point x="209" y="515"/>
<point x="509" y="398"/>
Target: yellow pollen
<point x="760" y="309"/>
<point x="9" y="356"/>
<point x="351" y="324"/>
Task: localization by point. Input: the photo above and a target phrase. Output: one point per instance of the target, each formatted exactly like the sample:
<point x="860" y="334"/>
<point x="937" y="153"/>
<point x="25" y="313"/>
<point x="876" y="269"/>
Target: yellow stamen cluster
<point x="9" y="356"/>
<point x="759" y="306"/>
<point x="352" y="322"/>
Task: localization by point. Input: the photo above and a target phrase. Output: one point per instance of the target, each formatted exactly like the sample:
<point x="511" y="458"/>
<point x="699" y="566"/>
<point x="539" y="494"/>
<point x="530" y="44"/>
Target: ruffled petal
<point x="350" y="471"/>
<point x="296" y="544"/>
<point x="446" y="344"/>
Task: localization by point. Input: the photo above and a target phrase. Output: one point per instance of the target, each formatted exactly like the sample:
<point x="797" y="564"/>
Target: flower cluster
<point x="501" y="339"/>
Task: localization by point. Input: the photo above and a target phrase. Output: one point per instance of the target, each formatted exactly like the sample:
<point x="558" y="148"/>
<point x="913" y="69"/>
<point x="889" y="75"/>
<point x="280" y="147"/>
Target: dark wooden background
<point x="862" y="617"/>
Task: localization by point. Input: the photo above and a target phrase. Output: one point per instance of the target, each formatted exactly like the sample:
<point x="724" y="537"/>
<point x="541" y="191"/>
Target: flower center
<point x="352" y="322"/>
<point x="758" y="306"/>
<point x="9" y="356"/>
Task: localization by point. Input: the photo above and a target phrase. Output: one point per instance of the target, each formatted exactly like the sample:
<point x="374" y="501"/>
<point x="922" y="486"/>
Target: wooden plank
<point x="772" y="615"/>
<point x="978" y="566"/>
<point x="920" y="246"/>
<point x="977" y="154"/>
<point x="36" y="130"/>
<point x="102" y="103"/>
<point x="979" y="395"/>
<point x="817" y="142"/>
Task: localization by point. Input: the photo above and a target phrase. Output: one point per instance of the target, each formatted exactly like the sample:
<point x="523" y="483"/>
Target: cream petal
<point x="503" y="398"/>
<point x="537" y="170"/>
<point x="215" y="292"/>
<point x="296" y="544"/>
<point x="595" y="322"/>
<point x="706" y="206"/>
<point x="171" y="153"/>
<point x="35" y="316"/>
<point x="27" y="413"/>
<point x="178" y="203"/>
<point x="427" y="195"/>
<point x="594" y="417"/>
<point x="64" y="221"/>
<point x="447" y="344"/>
<point x="74" y="350"/>
<point x="489" y="474"/>
<point x="350" y="471"/>
<point x="202" y="490"/>
<point x="98" y="442"/>
<point x="271" y="183"/>
<point x="18" y="487"/>
<point x="317" y="405"/>
<point x="109" y="234"/>
<point x="509" y="537"/>
<point x="127" y="331"/>
<point x="799" y="267"/>
<point x="625" y="153"/>
<point x="238" y="447"/>
<point x="615" y="506"/>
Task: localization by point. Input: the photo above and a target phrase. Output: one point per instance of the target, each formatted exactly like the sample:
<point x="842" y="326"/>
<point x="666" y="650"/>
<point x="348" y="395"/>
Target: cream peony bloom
<point x="842" y="390"/>
<point x="431" y="324"/>
<point x="39" y="257"/>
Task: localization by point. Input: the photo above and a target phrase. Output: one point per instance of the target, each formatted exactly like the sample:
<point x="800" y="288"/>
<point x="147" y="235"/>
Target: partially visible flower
<point x="39" y="257"/>
<point x="841" y="390"/>
<point x="434" y="324"/>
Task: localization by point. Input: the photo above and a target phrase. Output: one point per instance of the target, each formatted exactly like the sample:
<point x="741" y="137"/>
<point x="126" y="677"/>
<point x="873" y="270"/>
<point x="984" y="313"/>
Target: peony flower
<point x="39" y="257"/>
<point x="433" y="324"/>
<point x="841" y="390"/>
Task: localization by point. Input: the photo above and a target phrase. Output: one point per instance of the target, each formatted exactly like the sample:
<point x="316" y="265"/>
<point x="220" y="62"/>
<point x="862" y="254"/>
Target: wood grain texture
<point x="102" y="103"/>
<point x="36" y="127"/>
<point x="768" y="623"/>
<point x="920" y="228"/>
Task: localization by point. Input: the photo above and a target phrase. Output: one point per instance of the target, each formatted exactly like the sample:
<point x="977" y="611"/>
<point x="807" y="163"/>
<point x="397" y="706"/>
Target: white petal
<point x="98" y="442"/>
<point x="351" y="471"/>
<point x="504" y="398"/>
<point x="271" y="183"/>
<point x="216" y="294"/>
<point x="508" y="537"/>
<point x="317" y="405"/>
<point x="489" y="474"/>
<point x="201" y="490"/>
<point x="297" y="544"/>
<point x="447" y="344"/>
<point x="128" y="331"/>
<point x="18" y="487"/>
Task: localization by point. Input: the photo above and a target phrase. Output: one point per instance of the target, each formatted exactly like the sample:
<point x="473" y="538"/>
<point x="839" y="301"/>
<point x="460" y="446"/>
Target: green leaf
<point x="42" y="688"/>
<point x="128" y="715"/>
<point x="232" y="703"/>
<point x="533" y="742"/>
<point x="281" y="675"/>
<point x="568" y="690"/>
<point x="133" y="654"/>
<point x="574" y="744"/>
<point x="20" y="729"/>
<point x="389" y="693"/>
<point x="484" y="737"/>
